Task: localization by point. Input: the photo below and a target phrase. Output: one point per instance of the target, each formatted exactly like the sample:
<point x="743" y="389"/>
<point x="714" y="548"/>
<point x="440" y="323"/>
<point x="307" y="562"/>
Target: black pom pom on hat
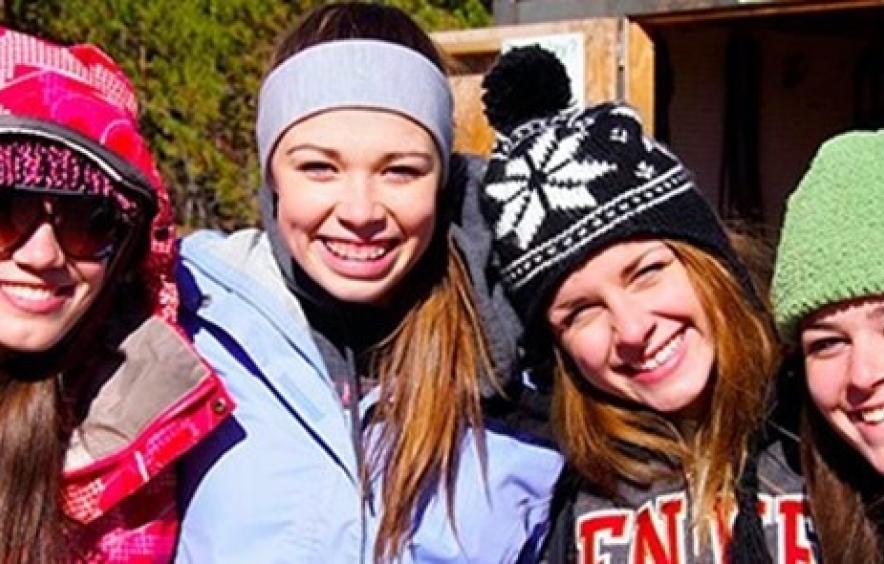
<point x="526" y="83"/>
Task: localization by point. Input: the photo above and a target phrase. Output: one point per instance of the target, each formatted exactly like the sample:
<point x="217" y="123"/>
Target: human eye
<point x="317" y="169"/>
<point x="403" y="172"/>
<point x="404" y="168"/>
<point x="822" y="346"/>
<point x="578" y="314"/>
<point x="649" y="270"/>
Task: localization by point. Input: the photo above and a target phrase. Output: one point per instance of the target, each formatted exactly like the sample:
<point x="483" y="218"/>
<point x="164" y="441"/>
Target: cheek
<point x="824" y="380"/>
<point x="299" y="210"/>
<point x="416" y="215"/>
<point x="587" y="348"/>
<point x="93" y="275"/>
<point x="681" y="293"/>
<point x="423" y="225"/>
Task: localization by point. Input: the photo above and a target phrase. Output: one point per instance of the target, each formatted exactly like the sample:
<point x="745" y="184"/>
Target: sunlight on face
<point x="843" y="349"/>
<point x="357" y="199"/>
<point x="632" y="323"/>
<point x="43" y="292"/>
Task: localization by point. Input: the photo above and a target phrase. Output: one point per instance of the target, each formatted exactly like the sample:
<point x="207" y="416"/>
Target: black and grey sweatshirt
<point x="654" y="525"/>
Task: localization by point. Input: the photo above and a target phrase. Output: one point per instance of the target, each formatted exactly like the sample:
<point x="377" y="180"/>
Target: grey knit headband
<point x="355" y="73"/>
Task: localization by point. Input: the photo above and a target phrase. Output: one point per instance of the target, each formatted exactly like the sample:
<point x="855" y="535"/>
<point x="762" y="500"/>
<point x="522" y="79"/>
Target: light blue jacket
<point x="278" y="482"/>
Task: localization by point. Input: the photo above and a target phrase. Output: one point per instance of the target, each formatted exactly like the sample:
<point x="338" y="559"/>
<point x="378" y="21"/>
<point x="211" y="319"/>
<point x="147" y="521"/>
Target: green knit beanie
<point x="832" y="242"/>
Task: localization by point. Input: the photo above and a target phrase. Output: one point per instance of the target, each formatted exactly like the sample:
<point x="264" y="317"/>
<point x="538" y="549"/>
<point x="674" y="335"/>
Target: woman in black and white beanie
<point x="663" y="352"/>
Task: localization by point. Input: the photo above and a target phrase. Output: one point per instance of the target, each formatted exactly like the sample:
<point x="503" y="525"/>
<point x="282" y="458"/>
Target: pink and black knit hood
<point x="68" y="122"/>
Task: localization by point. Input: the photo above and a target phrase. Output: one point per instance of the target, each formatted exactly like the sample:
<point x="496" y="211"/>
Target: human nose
<point x="866" y="368"/>
<point x="41" y="250"/>
<point x="632" y="327"/>
<point x="361" y="207"/>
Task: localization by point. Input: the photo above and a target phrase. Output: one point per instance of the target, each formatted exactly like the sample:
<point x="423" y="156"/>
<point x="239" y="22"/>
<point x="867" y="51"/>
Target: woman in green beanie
<point x="828" y="296"/>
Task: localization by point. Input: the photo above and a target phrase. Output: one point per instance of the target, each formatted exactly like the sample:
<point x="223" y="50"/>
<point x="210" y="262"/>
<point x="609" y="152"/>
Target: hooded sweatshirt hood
<point x="77" y="97"/>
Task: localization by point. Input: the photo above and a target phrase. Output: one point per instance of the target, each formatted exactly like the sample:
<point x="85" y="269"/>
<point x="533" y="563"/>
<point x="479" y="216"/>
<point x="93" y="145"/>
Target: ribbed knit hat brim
<point x="832" y="242"/>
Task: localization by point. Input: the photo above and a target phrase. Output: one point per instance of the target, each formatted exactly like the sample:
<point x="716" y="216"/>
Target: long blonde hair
<point x="607" y="441"/>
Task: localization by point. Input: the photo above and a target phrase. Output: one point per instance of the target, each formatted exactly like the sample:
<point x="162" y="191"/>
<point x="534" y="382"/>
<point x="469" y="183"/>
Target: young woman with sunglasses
<point x="99" y="393"/>
<point x="828" y="296"/>
<point x="660" y="352"/>
<point x="350" y="331"/>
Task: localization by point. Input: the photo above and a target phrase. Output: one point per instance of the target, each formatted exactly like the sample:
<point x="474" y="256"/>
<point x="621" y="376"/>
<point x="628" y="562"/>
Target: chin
<point x="684" y="400"/>
<point x="873" y="455"/>
<point x="33" y="336"/>
<point x="877" y="462"/>
<point x="29" y="346"/>
<point x="365" y="294"/>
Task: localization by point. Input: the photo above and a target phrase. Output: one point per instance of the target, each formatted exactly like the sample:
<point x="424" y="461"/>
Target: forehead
<point x="355" y="127"/>
<point x="608" y="263"/>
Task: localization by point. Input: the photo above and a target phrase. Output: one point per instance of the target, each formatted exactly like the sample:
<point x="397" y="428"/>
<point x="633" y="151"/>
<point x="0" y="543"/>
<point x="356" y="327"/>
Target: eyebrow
<point x="406" y="154"/>
<point x="624" y="274"/>
<point x="311" y="147"/>
<point x="820" y="326"/>
<point x="334" y="153"/>
<point x="877" y="312"/>
<point x="632" y="266"/>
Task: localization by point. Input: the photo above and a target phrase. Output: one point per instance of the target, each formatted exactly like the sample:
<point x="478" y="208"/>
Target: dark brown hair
<point x="429" y="368"/>
<point x="31" y="457"/>
<point x="846" y="493"/>
<point x="355" y="20"/>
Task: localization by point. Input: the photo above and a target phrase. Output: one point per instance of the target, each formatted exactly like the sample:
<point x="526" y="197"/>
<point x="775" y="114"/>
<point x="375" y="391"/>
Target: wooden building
<point x="744" y="91"/>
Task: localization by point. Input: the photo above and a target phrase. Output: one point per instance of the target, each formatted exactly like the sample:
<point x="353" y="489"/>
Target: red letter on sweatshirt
<point x="597" y="527"/>
<point x="793" y="542"/>
<point x="648" y="546"/>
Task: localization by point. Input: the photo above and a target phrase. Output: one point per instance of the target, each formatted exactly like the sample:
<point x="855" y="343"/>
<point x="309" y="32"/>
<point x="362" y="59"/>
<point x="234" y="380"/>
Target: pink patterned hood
<point x="79" y="97"/>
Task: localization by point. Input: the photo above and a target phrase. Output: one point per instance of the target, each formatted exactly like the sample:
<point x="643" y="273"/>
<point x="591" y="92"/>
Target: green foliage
<point x="197" y="66"/>
<point x="434" y="15"/>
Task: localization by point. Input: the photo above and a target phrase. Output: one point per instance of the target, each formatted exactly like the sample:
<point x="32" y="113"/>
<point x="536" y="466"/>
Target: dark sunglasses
<point x="86" y="227"/>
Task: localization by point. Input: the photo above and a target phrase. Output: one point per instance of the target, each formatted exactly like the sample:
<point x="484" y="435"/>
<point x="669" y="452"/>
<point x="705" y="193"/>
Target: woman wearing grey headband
<point x="350" y="331"/>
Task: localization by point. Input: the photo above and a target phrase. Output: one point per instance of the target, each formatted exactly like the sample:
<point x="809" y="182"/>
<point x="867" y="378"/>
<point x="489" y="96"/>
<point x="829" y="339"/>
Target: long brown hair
<point x="429" y="367"/>
<point x="845" y="492"/>
<point x="428" y="375"/>
<point x="608" y="441"/>
<point x="40" y="400"/>
<point x="31" y="458"/>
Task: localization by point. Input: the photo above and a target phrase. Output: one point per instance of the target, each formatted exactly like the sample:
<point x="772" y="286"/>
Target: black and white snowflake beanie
<point x="564" y="182"/>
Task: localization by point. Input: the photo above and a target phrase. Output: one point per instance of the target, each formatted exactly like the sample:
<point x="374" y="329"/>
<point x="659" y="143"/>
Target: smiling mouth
<point x="34" y="293"/>
<point x="872" y="416"/>
<point x="361" y="252"/>
<point x="662" y="356"/>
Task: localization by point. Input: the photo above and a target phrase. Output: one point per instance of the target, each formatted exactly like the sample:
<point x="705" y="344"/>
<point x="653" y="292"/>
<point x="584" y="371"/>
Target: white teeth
<point x="31" y="293"/>
<point x="662" y="355"/>
<point x="875" y="415"/>
<point x="350" y="251"/>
